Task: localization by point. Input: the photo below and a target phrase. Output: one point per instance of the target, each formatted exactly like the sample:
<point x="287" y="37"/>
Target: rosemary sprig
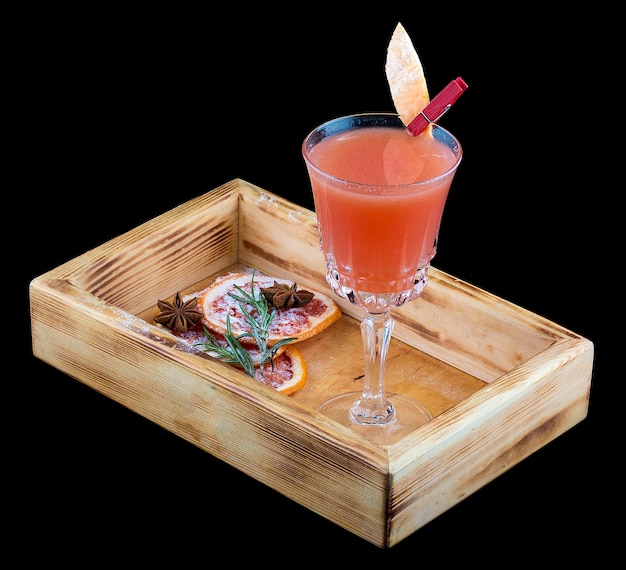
<point x="235" y="353"/>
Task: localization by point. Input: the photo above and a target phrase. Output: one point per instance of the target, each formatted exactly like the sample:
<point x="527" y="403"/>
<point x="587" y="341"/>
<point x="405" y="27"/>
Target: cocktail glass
<point x="379" y="195"/>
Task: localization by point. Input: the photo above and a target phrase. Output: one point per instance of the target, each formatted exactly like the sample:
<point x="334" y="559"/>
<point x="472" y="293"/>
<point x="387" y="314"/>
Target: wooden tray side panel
<point x="213" y="406"/>
<point x="473" y="330"/>
<point x="279" y="238"/>
<point x="473" y="443"/>
<point x="147" y="263"/>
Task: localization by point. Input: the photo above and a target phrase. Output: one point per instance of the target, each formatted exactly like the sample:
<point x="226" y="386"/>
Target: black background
<point x="122" y="116"/>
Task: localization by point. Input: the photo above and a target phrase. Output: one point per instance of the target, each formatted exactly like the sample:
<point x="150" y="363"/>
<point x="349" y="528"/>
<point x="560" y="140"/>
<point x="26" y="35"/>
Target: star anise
<point x="286" y="296"/>
<point x="179" y="315"/>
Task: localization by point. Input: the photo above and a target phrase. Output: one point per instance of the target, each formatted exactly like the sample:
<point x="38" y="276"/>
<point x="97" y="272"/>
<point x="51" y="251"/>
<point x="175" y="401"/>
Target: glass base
<point x="373" y="302"/>
<point x="410" y="415"/>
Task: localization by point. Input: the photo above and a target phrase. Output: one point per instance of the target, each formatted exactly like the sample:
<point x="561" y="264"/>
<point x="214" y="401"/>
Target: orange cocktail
<point x="379" y="195"/>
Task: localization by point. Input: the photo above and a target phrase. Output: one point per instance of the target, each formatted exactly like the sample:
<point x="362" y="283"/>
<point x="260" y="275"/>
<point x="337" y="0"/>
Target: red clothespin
<point x="438" y="106"/>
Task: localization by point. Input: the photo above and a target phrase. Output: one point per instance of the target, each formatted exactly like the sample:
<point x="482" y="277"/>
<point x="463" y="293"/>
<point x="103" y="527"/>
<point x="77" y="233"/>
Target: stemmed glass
<point x="379" y="195"/>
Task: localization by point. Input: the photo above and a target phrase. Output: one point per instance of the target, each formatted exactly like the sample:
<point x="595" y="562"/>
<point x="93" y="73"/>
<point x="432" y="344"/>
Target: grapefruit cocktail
<point x="379" y="195"/>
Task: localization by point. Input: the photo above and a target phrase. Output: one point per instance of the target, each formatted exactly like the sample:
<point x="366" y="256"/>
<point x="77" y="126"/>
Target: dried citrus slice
<point x="216" y="303"/>
<point x="287" y="373"/>
<point x="405" y="76"/>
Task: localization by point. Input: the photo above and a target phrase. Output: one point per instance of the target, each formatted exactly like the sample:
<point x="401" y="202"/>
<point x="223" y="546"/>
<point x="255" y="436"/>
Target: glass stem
<point x="373" y="407"/>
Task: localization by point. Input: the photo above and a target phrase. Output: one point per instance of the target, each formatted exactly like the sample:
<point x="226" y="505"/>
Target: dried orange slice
<point x="405" y="76"/>
<point x="216" y="303"/>
<point x="287" y="373"/>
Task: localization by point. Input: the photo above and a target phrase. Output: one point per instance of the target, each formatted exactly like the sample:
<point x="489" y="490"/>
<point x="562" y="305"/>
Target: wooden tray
<point x="500" y="381"/>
